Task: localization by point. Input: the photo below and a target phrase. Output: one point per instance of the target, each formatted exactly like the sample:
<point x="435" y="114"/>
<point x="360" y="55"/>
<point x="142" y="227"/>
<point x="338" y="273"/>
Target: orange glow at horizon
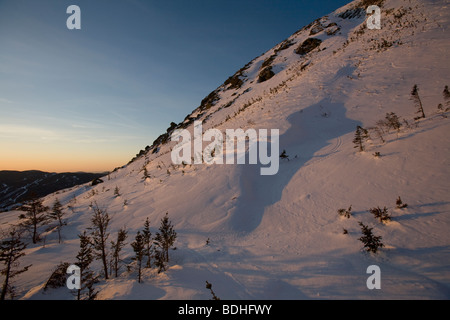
<point x="46" y="159"/>
<point x="59" y="165"/>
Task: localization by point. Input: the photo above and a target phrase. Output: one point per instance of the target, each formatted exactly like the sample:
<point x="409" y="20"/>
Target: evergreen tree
<point x="345" y="212"/>
<point x="415" y="97"/>
<point x="117" y="191"/>
<point x="99" y="229"/>
<point x="361" y="135"/>
<point x="57" y="215"/>
<point x="371" y="243"/>
<point x="446" y="94"/>
<point x="209" y="286"/>
<point x="11" y="250"/>
<point x="400" y="204"/>
<point x="85" y="257"/>
<point x="160" y="263"/>
<point x="116" y="247"/>
<point x="148" y="243"/>
<point x="146" y="174"/>
<point x="34" y="216"/>
<point x="380" y="214"/>
<point x="283" y="155"/>
<point x="166" y="237"/>
<point x="139" y="249"/>
<point x="392" y="121"/>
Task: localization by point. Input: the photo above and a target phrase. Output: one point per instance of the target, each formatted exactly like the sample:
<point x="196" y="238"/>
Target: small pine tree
<point x="400" y="204"/>
<point x="11" y="250"/>
<point x="148" y="243"/>
<point x="146" y="174"/>
<point x="392" y="121"/>
<point x="84" y="259"/>
<point x="361" y="135"/>
<point x="100" y="222"/>
<point x="371" y="243"/>
<point x="446" y="94"/>
<point x="57" y="214"/>
<point x="415" y="97"/>
<point x="34" y="216"/>
<point x="117" y="191"/>
<point x="380" y="214"/>
<point x="345" y="213"/>
<point x="139" y="250"/>
<point x="58" y="278"/>
<point x="165" y="238"/>
<point x="116" y="248"/>
<point x="283" y="155"/>
<point x="209" y="287"/>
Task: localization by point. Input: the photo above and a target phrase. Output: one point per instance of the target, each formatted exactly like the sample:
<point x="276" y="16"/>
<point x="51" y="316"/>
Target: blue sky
<point x="90" y="99"/>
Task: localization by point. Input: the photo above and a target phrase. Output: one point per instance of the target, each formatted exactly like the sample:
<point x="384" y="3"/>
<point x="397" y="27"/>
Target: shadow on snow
<point x="311" y="130"/>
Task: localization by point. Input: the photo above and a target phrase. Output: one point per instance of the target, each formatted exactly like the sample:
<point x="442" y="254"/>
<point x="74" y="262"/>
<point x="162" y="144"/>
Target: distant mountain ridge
<point x="17" y="186"/>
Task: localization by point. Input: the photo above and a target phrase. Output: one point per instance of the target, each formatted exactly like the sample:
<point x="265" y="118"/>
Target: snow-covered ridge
<point x="280" y="237"/>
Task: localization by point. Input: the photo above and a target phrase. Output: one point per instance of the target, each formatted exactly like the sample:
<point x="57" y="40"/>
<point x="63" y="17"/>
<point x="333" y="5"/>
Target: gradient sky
<point x="90" y="99"/>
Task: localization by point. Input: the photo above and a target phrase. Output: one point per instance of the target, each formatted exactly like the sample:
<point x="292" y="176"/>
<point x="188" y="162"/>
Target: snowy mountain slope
<point x="280" y="236"/>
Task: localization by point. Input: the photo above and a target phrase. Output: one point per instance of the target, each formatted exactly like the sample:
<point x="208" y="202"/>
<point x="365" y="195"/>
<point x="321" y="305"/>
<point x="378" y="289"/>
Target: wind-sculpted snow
<point x="308" y="133"/>
<point x="280" y="236"/>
